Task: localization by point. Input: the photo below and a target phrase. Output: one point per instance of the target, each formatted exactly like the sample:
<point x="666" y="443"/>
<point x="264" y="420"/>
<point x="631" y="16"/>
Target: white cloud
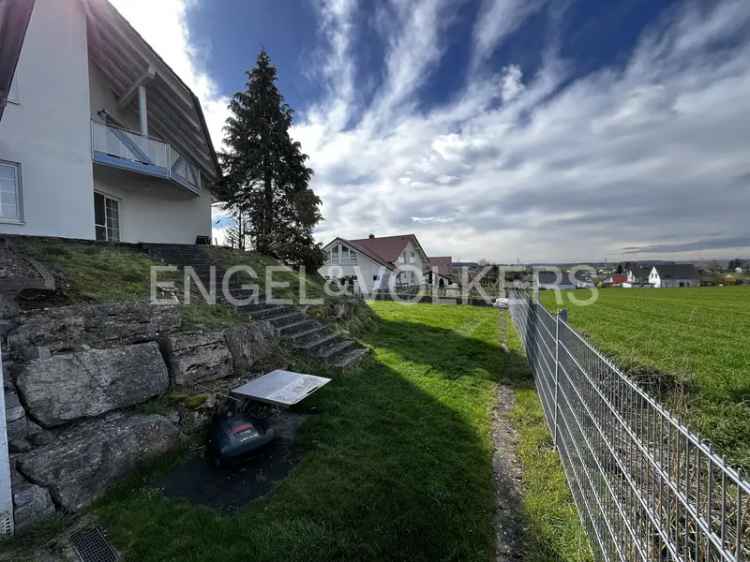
<point x="623" y="157"/>
<point x="497" y="20"/>
<point x="512" y="83"/>
<point x="647" y="155"/>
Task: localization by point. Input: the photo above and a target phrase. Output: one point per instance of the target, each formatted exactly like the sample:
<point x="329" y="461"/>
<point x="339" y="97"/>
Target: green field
<point x="691" y="346"/>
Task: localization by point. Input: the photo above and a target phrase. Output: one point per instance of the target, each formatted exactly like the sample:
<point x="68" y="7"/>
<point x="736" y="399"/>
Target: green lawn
<point x="698" y="340"/>
<point x="397" y="462"/>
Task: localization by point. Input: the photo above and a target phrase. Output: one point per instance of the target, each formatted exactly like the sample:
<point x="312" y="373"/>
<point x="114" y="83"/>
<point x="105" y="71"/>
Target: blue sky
<point x="499" y="129"/>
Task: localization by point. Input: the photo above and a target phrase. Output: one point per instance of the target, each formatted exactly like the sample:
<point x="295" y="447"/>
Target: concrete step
<point x="268" y="311"/>
<point x="334" y="351"/>
<point x="317" y="342"/>
<point x="307" y="335"/>
<point x="240" y="293"/>
<point x="297" y="327"/>
<point x="350" y="358"/>
<point x="292" y="317"/>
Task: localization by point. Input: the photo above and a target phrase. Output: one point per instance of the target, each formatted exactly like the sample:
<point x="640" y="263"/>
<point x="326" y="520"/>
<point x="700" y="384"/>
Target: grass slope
<point x="398" y="462"/>
<point x="699" y="338"/>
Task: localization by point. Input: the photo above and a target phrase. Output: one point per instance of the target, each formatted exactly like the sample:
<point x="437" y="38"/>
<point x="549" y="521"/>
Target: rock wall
<point x="70" y="386"/>
<point x="73" y="328"/>
<point x="74" y="377"/>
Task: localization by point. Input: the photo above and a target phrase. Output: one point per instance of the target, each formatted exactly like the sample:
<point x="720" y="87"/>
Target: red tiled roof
<point x="387" y="248"/>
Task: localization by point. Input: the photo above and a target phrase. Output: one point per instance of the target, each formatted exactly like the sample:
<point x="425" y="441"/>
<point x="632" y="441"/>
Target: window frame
<point x="117" y="200"/>
<point x="19" y="193"/>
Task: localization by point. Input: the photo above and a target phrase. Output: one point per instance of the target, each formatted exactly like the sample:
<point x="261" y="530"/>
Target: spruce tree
<point x="265" y="173"/>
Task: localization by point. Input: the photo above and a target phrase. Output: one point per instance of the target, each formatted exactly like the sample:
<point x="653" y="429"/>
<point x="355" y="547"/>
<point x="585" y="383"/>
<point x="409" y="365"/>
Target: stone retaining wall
<point x="74" y="379"/>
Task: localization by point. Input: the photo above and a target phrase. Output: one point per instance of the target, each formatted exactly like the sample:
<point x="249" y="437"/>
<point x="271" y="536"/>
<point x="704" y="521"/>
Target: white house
<point x="638" y="276"/>
<point x="100" y="139"/>
<point x="369" y="263"/>
<point x="674" y="275"/>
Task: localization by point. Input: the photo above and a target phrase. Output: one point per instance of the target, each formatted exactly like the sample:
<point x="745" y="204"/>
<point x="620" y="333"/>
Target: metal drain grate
<point x="91" y="546"/>
<point x="6" y="525"/>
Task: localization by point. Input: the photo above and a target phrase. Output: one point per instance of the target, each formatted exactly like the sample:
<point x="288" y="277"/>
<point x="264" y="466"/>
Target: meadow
<point x="690" y="347"/>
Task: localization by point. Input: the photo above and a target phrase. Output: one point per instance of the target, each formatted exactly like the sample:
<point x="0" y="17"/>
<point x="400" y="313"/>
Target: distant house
<point x="616" y="280"/>
<point x="674" y="275"/>
<point x="369" y="263"/>
<point x="440" y="269"/>
<point x="554" y="280"/>
<point x="637" y="276"/>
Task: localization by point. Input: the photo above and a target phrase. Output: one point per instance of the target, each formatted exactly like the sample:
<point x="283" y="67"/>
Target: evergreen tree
<point x="265" y="172"/>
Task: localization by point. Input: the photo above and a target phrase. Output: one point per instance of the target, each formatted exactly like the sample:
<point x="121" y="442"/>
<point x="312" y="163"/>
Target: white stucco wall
<point x="48" y="131"/>
<point x="365" y="271"/>
<point x="151" y="209"/>
<point x="154" y="210"/>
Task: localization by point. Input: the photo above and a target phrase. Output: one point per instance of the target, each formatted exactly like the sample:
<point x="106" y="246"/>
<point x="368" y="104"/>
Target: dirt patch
<point x="509" y="522"/>
<point x="230" y="489"/>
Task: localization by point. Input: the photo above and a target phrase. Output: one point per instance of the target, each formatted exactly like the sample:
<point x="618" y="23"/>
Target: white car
<point x="500" y="302"/>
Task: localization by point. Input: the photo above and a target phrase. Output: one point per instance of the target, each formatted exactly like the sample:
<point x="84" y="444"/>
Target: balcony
<point x="120" y="148"/>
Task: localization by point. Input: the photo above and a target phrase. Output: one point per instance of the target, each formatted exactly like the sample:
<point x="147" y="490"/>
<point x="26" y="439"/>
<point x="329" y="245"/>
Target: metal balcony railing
<point x="120" y="148"/>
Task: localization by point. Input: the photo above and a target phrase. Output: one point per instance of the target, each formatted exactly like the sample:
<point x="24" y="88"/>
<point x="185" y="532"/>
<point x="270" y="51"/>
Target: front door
<point x="106" y="218"/>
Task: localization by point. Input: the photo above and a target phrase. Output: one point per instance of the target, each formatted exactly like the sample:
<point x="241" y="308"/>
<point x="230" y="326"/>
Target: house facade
<point x="638" y="276"/>
<point x="100" y="139"/>
<point x="671" y="276"/>
<point x="376" y="263"/>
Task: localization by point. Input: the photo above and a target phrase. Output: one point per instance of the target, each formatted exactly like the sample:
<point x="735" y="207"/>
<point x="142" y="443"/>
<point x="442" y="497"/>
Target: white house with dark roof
<point x="371" y="262"/>
<point x="100" y="139"/>
<point x="667" y="276"/>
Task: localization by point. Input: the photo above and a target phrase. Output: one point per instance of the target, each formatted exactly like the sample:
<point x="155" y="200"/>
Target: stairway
<point x="185" y="255"/>
<point x="290" y="322"/>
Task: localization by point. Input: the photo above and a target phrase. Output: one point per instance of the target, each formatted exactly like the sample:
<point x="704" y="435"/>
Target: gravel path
<point x="509" y="521"/>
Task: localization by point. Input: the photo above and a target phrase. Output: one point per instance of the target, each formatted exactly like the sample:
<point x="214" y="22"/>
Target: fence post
<point x="562" y="314"/>
<point x="6" y="498"/>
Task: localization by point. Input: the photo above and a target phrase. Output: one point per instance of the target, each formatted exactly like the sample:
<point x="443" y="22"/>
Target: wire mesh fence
<point x="647" y="488"/>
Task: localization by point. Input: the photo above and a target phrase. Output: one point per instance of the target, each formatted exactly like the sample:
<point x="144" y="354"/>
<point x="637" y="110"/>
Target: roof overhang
<point x="359" y="249"/>
<point x="127" y="60"/>
<point x="14" y="20"/>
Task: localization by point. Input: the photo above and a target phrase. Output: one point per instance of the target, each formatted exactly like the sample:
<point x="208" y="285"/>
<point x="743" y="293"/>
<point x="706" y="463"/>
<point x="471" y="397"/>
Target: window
<point x="10" y="192"/>
<point x="106" y="218"/>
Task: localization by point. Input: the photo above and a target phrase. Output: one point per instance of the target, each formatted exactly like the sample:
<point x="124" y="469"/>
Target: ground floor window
<point x="106" y="218"/>
<point x="10" y="191"/>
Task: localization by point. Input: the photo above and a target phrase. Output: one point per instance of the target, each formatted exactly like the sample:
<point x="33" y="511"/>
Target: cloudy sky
<point x="499" y="129"/>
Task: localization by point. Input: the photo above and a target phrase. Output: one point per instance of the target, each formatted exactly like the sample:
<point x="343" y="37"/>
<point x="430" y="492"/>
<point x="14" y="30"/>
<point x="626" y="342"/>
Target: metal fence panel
<point x="646" y="488"/>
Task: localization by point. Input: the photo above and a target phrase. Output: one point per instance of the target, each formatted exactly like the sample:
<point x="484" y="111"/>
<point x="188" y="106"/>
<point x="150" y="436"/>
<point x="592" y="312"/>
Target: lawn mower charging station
<point x="237" y="433"/>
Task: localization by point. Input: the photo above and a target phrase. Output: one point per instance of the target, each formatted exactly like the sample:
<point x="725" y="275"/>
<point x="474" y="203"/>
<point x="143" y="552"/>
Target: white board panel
<point x="281" y="388"/>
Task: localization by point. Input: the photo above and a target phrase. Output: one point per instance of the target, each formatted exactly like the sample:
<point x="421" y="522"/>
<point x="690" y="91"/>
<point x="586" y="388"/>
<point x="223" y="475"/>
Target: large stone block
<point x="69" y="328"/>
<point x="197" y="357"/>
<point x="248" y="344"/>
<point x="79" y="465"/>
<point x="66" y="387"/>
